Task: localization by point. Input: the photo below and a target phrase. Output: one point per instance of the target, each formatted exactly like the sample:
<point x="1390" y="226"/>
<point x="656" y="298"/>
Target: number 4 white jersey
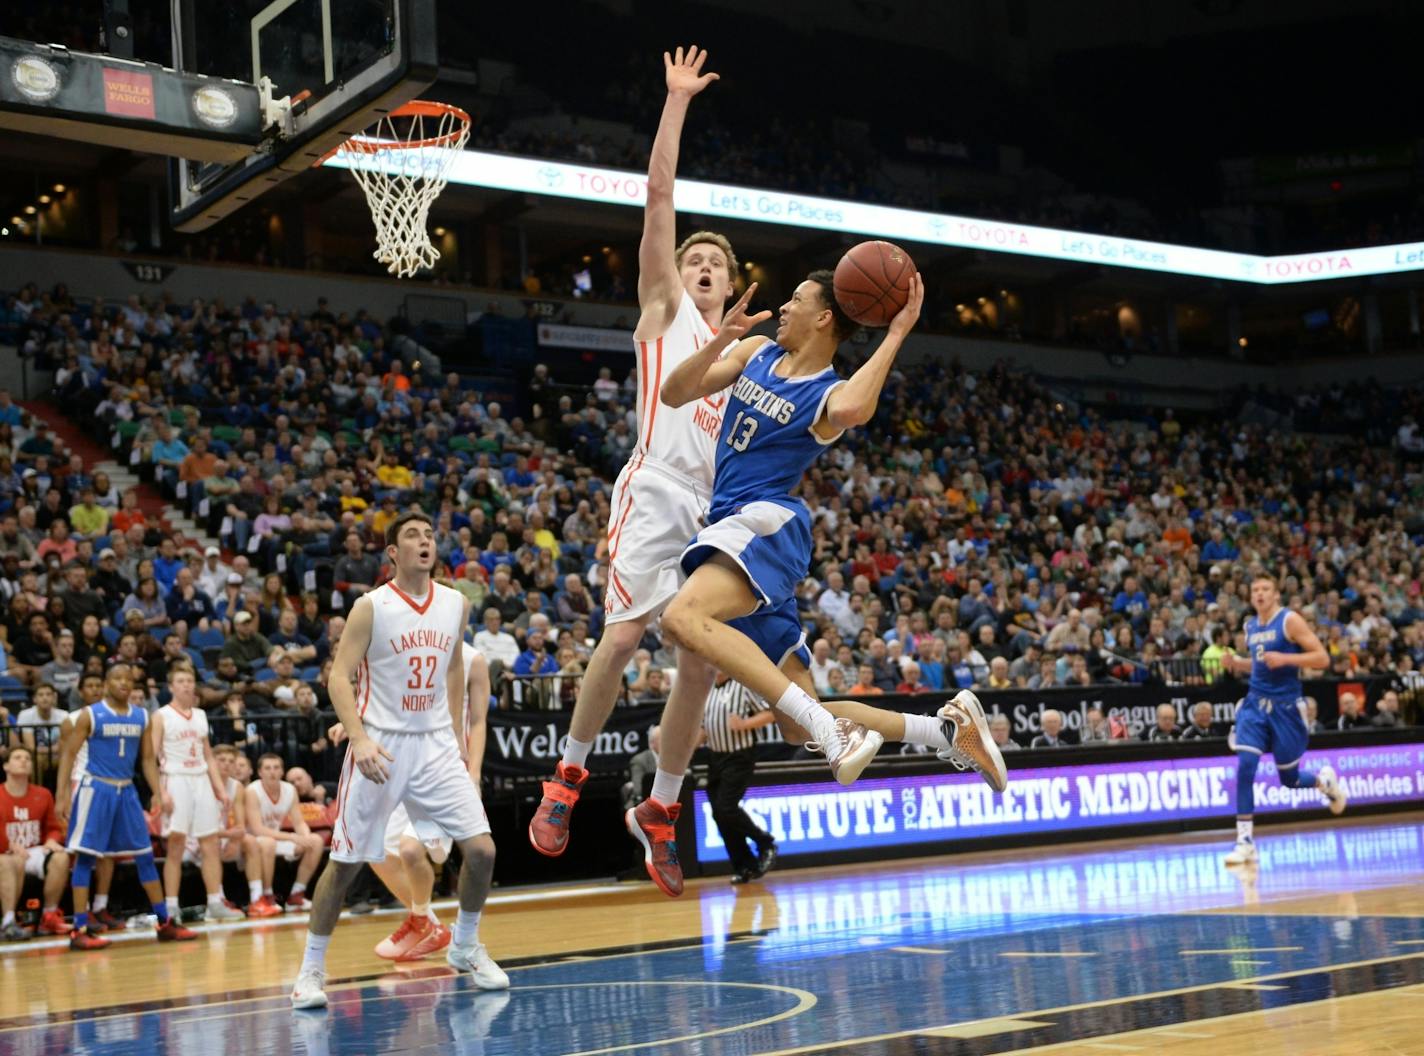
<point x="683" y="439"/>
<point x="183" y="740"/>
<point x="400" y="686"/>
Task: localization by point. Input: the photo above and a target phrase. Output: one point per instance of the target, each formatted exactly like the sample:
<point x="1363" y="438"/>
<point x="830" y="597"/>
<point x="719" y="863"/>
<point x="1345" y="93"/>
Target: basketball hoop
<point x="402" y="163"/>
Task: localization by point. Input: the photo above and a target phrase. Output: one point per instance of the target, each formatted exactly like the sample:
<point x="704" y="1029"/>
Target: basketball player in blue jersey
<point x="737" y="609"/>
<point x="107" y="817"/>
<point x="1271" y="717"/>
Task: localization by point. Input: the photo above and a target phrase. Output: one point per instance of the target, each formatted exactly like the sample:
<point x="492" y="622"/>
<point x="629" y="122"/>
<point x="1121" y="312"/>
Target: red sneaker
<point x="52" y="923"/>
<point x="264" y="907"/>
<point x="87" y="939"/>
<point x="106" y="921"/>
<point x="653" y="825"/>
<point x="172" y="931"/>
<point x="435" y="940"/>
<point x="411" y="931"/>
<point x="297" y="903"/>
<point x="549" y="828"/>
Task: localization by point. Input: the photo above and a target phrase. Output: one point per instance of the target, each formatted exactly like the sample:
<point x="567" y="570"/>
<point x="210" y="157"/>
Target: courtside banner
<point x="619" y="187"/>
<point x="942" y="809"/>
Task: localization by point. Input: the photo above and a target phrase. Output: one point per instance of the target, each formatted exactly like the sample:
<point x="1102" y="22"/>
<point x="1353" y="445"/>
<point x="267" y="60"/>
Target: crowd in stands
<point x="977" y="533"/>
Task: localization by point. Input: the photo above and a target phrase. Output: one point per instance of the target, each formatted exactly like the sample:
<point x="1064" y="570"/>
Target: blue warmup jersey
<point x="107" y="817"/>
<point x="114" y="745"/>
<point x="767" y="444"/>
<point x="1284" y="682"/>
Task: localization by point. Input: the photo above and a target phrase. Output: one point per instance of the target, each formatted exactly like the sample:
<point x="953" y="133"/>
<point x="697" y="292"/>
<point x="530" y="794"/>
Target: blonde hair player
<point x="194" y="793"/>
<point x="397" y="683"/>
<point x="408" y="871"/>
<point x="235" y="843"/>
<point x="661" y="496"/>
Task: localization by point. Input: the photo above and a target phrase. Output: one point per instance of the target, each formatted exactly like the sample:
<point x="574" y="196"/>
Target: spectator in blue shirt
<point x="167" y="565"/>
<point x="167" y="456"/>
<point x="959" y="674"/>
<point x="1218" y="548"/>
<point x="1130" y="601"/>
<point x="497" y="553"/>
<point x="10" y="413"/>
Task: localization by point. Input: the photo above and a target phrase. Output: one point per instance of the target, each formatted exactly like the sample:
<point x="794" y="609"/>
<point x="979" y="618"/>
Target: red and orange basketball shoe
<point x="87" y="939"/>
<point x="400" y="941"/>
<point x="264" y="907"/>
<point x="653" y="824"/>
<point x="549" y="828"/>
<point x="171" y="931"/>
<point x="52" y="923"/>
<point x="435" y="940"/>
<point x="298" y="903"/>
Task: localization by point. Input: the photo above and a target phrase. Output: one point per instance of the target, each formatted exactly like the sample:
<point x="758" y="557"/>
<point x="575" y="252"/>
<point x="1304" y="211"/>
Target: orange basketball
<point x="873" y="282"/>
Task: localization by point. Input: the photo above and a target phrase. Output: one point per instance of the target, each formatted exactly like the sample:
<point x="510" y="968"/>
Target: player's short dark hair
<point x="843" y="327"/>
<point x="271" y="755"/>
<point x="393" y="529"/>
<point x="17" y="748"/>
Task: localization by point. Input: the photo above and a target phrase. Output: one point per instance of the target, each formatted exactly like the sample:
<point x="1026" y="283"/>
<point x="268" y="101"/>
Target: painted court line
<point x="985" y="1028"/>
<point x="1243" y="949"/>
<point x="1026" y="954"/>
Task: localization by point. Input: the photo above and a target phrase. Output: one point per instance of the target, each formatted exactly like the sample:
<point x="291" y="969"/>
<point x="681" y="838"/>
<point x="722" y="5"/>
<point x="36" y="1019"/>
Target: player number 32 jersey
<point x="400" y="686"/>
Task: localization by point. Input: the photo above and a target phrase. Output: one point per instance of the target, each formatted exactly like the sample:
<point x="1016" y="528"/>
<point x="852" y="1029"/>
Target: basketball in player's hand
<point x="873" y="282"/>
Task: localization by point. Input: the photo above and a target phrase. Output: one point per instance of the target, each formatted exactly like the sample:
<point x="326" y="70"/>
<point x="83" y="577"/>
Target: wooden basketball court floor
<point x="1134" y="947"/>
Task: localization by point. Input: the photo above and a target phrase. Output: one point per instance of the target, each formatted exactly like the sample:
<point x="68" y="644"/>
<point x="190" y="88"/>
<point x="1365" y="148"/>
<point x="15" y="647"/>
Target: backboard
<point x="357" y="59"/>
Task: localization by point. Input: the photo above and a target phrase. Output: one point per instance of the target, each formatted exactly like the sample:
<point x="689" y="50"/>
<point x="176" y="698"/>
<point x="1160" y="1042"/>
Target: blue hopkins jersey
<point x="114" y="745"/>
<point x="767" y="444"/>
<point x="1284" y="682"/>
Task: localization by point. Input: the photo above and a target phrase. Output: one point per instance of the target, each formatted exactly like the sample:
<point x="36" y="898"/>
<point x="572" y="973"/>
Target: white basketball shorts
<point x="196" y="810"/>
<point x="426" y="775"/>
<point x="655" y="515"/>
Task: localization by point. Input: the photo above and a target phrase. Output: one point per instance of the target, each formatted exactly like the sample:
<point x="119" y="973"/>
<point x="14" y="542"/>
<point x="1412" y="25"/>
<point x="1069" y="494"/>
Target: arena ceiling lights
<point x="617" y="187"/>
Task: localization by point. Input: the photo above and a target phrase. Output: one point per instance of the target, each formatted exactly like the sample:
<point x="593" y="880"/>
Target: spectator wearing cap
<point x="213" y="575"/>
<point x="80" y="599"/>
<point x="108" y="582"/>
<point x="246" y="646"/>
<point x="231" y="600"/>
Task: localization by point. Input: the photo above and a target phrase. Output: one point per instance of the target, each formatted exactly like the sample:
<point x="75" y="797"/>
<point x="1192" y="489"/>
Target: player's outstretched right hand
<point x="736" y="322"/>
<point x="368" y="755"/>
<point x="684" y="71"/>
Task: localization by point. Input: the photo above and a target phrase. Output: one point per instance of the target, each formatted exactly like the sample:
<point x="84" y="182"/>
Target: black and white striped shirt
<point x="730" y="698"/>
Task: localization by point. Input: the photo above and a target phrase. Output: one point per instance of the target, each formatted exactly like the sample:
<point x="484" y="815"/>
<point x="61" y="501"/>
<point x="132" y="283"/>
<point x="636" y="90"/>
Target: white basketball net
<point x="402" y="164"/>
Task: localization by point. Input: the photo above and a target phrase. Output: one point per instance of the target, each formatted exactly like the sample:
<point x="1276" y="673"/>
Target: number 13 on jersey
<point x="745" y="425"/>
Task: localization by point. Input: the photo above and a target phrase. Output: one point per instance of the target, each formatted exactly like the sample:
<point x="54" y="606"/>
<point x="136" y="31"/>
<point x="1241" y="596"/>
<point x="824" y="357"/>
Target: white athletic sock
<point x="1243" y="830"/>
<point x="172" y="907"/>
<point x="52" y="909"/>
<point x="266" y="891"/>
<point x="806" y="711"/>
<point x="254" y="889"/>
<point x="297" y="888"/>
<point x="315" y="956"/>
<point x="9" y="918"/>
<point x="215" y="899"/>
<point x="467" y="928"/>
<point x="101" y="903"/>
<point x="576" y="753"/>
<point x="925" y="729"/>
<point x="420" y="909"/>
<point x="666" y="787"/>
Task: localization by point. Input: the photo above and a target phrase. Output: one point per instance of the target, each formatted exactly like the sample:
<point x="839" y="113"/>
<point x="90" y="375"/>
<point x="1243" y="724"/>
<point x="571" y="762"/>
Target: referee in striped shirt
<point x="732" y="716"/>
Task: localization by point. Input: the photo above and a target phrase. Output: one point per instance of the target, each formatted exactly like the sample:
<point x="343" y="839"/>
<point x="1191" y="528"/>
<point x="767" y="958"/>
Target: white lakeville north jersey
<point x="183" y="740"/>
<point x="683" y="439"/>
<point x="400" y="685"/>
<point x="274" y="815"/>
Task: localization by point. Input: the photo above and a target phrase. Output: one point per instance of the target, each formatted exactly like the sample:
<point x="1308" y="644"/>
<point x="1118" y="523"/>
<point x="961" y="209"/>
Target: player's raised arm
<point x="350" y="651"/>
<point x="709" y="371"/>
<point x="853" y="404"/>
<point x="659" y="285"/>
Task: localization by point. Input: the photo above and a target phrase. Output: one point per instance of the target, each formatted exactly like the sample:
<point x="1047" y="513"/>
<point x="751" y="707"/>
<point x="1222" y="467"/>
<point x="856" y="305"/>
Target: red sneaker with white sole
<point x="264" y="907"/>
<point x="52" y="923"/>
<point x="654" y="825"/>
<point x="435" y="940"/>
<point x="400" y="941"/>
<point x="549" y="828"/>
<point x="87" y="939"/>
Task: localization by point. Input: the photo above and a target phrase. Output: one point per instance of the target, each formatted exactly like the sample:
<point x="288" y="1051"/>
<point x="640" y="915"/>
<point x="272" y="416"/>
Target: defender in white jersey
<point x="407" y="871"/>
<point x="660" y="498"/>
<point x="397" y="683"/>
<point x="194" y="795"/>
